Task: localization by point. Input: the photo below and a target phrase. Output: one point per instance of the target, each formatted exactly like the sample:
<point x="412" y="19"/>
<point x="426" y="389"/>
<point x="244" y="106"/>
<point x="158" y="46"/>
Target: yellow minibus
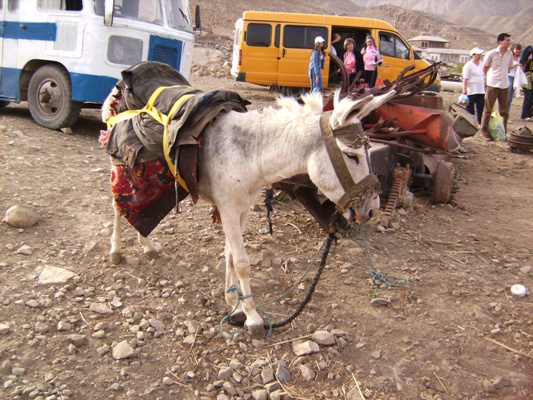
<point x="273" y="49"/>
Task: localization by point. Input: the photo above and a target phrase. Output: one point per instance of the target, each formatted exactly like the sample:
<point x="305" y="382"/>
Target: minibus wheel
<point x="50" y="98"/>
<point x="295" y="92"/>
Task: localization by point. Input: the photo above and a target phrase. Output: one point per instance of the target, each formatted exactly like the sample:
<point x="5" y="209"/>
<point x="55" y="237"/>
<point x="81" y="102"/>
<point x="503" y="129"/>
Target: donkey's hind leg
<point x="148" y="247"/>
<point x="115" y="254"/>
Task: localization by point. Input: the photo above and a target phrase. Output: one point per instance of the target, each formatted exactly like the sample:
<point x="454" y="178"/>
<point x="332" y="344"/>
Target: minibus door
<point x="258" y="62"/>
<point x="9" y="32"/>
<point x="297" y="43"/>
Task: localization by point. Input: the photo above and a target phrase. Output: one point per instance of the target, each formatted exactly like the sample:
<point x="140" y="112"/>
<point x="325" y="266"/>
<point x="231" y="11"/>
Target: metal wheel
<point x="50" y="98"/>
<point x="443" y="182"/>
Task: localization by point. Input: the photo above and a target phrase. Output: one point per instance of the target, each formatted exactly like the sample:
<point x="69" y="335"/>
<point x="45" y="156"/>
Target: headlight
<point x="124" y="50"/>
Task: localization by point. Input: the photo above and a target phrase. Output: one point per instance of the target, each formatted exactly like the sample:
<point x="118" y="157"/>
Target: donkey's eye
<point x="353" y="157"/>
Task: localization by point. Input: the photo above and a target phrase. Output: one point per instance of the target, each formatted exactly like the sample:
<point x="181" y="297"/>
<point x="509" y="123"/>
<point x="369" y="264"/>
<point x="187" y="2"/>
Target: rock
<point x="323" y="338"/>
<point x="18" y="371"/>
<point x="482" y="316"/>
<point x="25" y="250"/>
<point x="167" y="381"/>
<point x="282" y="374"/>
<point x="489" y="387"/>
<point x="64" y="326"/>
<point x="225" y="372"/>
<point x="123" y="350"/>
<point x="376" y="355"/>
<point x="307" y="373"/>
<point x="78" y="340"/>
<point x="54" y="275"/>
<point x="100" y="308"/>
<point x="305" y="348"/>
<point x="41" y="327"/>
<point x="500" y="383"/>
<point x="260" y="394"/>
<point x="277" y="395"/>
<point x="4" y="329"/>
<point x="267" y="375"/>
<point x="157" y="324"/>
<point x="22" y="216"/>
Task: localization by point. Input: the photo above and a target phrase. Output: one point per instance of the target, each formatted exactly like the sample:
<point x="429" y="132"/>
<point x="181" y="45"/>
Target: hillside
<point x="463" y="31"/>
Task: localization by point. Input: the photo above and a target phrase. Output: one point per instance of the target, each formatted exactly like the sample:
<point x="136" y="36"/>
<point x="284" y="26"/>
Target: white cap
<point x="319" y="39"/>
<point x="476" y="50"/>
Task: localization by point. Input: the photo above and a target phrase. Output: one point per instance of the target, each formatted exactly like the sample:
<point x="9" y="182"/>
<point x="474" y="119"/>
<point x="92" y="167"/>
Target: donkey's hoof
<point x="237" y="319"/>
<point x="257" y="331"/>
<point x="115" y="258"/>
<point x="152" y="254"/>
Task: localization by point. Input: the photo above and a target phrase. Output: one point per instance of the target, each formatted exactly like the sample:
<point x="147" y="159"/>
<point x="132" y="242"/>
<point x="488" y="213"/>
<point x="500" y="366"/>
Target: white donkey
<point x="245" y="152"/>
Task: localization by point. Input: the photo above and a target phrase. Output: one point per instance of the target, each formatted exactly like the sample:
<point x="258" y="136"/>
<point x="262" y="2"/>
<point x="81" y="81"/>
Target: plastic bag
<point x="496" y="126"/>
<point x="520" y="79"/>
<point x="463" y="100"/>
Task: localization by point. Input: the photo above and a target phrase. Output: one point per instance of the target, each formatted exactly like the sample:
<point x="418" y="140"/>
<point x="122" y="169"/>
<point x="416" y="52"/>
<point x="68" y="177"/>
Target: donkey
<point x="242" y="153"/>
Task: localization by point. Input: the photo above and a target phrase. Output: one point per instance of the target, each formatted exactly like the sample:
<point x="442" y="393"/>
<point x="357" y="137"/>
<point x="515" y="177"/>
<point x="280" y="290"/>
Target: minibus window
<point x="303" y="37"/>
<point x="391" y="45"/>
<point x="259" y="35"/>
<point x="276" y="36"/>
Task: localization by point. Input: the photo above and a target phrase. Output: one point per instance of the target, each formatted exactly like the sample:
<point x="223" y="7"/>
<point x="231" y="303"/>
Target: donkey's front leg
<point x="238" y="263"/>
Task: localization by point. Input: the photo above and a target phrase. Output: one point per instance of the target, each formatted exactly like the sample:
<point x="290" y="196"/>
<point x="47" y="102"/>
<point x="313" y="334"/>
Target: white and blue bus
<point x="64" y="55"/>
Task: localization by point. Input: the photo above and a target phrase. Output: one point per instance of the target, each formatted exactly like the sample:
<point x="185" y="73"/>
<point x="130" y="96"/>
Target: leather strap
<point x="354" y="192"/>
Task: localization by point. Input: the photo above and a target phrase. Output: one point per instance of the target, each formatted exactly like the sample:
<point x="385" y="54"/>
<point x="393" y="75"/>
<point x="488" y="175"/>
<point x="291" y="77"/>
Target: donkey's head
<point x="346" y="177"/>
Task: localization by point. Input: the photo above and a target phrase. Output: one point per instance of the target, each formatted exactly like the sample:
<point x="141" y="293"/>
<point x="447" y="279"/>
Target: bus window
<point x="391" y="45"/>
<point x="259" y="35"/>
<point x="13" y="5"/>
<point x="56" y="5"/>
<point x="303" y="37"/>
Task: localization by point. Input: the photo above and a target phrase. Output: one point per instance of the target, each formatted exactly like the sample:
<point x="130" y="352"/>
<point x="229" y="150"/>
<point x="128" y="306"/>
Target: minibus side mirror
<point x="108" y="12"/>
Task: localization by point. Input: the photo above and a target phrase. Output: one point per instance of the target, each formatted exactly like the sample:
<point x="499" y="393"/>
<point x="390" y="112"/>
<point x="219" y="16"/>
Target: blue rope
<point x="377" y="275"/>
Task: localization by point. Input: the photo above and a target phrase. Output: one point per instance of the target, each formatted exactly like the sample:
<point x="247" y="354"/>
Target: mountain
<point x="492" y="16"/>
<point x="465" y="23"/>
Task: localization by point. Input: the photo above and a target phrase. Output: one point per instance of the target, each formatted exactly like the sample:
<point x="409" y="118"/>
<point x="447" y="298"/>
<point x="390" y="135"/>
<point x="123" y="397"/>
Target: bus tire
<point x="50" y="98"/>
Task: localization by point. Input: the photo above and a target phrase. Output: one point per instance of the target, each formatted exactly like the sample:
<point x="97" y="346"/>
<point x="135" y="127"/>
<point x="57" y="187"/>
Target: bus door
<point x="259" y="54"/>
<point x="9" y="34"/>
<point x="297" y="43"/>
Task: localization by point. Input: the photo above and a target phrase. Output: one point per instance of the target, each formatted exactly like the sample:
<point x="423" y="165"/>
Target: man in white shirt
<point x="496" y="67"/>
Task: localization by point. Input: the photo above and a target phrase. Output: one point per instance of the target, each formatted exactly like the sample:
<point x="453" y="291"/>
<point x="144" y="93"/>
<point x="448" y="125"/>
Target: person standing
<point x="372" y="59"/>
<point x="516" y="49"/>
<point x="316" y="63"/>
<point x="353" y="61"/>
<point x="528" y="89"/>
<point x="496" y="67"/>
<point x="474" y="83"/>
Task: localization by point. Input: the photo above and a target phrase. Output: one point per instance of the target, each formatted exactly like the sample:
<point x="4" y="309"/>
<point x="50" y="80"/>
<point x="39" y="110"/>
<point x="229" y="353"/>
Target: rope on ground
<point x="326" y="245"/>
<point x="377" y="275"/>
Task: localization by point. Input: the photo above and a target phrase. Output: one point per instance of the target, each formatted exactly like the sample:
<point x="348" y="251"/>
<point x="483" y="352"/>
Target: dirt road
<point x="454" y="332"/>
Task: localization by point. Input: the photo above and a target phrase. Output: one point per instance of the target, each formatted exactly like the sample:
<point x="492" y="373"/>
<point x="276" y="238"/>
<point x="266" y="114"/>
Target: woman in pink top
<point x="372" y="58"/>
<point x="353" y="61"/>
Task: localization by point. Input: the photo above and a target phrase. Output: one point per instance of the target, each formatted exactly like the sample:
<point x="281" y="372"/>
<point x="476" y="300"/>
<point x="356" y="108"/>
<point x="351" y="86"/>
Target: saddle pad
<point x="144" y="193"/>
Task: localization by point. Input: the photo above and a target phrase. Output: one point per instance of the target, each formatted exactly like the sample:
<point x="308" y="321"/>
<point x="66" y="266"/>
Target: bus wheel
<point x="4" y="103"/>
<point x="50" y="98"/>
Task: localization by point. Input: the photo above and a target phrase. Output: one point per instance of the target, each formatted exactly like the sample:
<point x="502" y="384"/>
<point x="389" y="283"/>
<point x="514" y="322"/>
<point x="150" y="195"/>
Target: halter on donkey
<point x="240" y="153"/>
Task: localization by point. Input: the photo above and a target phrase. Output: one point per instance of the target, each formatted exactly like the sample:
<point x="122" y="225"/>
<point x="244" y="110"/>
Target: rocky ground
<point x="73" y="326"/>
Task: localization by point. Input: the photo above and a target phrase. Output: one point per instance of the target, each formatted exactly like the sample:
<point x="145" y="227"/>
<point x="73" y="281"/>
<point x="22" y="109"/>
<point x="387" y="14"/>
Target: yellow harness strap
<point x="161" y="118"/>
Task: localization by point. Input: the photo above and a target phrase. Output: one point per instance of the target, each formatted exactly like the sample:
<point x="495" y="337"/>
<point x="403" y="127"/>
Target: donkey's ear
<point x="348" y="111"/>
